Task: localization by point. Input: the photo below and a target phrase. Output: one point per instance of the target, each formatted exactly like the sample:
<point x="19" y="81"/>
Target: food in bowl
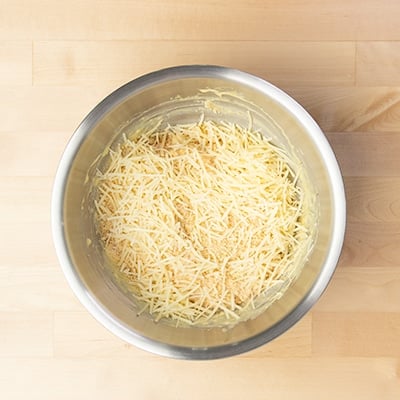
<point x="171" y="96"/>
<point x="205" y="223"/>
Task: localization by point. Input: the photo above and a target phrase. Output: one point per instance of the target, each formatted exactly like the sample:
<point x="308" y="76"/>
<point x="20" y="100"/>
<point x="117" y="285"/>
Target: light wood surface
<point x="339" y="59"/>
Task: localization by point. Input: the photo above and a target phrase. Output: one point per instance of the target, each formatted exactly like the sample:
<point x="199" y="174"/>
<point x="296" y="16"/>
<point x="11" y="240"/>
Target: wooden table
<point x="340" y="59"/>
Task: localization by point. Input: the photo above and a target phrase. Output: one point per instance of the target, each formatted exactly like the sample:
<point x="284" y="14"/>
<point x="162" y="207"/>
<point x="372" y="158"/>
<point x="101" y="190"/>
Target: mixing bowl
<point x="186" y="94"/>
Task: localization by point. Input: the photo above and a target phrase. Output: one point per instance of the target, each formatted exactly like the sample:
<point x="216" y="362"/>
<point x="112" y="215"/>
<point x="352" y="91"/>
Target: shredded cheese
<point x="205" y="221"/>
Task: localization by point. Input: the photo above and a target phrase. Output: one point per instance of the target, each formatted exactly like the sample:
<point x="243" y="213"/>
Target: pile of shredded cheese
<point x="202" y="220"/>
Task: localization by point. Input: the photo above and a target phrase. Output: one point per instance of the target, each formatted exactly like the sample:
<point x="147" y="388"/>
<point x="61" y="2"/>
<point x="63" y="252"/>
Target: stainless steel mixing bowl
<point x="172" y="92"/>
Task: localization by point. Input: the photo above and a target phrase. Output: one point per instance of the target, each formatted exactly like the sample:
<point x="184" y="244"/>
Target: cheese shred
<point x="204" y="221"/>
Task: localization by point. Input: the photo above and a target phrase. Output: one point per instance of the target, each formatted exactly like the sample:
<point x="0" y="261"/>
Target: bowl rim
<point x="118" y="96"/>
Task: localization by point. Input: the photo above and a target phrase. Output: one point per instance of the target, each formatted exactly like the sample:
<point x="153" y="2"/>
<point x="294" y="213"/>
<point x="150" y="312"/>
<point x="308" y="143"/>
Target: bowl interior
<point x="133" y="106"/>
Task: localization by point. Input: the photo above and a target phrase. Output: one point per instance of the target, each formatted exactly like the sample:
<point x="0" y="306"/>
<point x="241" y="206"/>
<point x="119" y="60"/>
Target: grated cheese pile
<point x="202" y="220"/>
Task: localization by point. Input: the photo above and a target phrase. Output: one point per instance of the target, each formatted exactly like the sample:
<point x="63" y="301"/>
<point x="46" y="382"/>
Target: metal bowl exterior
<point x="104" y="301"/>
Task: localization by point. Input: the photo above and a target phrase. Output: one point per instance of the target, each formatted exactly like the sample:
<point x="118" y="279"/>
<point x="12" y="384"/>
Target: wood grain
<point x="23" y="107"/>
<point x="101" y="62"/>
<point x="357" y="289"/>
<point x="20" y="194"/>
<point x="14" y="341"/>
<point x="207" y="20"/>
<point x="34" y="287"/>
<point x="21" y="226"/>
<point x="77" y="334"/>
<point x="372" y="198"/>
<point x="356" y="109"/>
<point x="339" y="59"/>
<point x="367" y="154"/>
<point x="21" y="153"/>
<point x="336" y="377"/>
<point x="370" y="244"/>
<point x="378" y="63"/>
<point x="15" y="62"/>
<point x="38" y="249"/>
<point x="335" y="109"/>
<point x="339" y="334"/>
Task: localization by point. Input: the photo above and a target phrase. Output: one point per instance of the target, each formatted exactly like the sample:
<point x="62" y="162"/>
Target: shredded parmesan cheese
<point x="205" y="221"/>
